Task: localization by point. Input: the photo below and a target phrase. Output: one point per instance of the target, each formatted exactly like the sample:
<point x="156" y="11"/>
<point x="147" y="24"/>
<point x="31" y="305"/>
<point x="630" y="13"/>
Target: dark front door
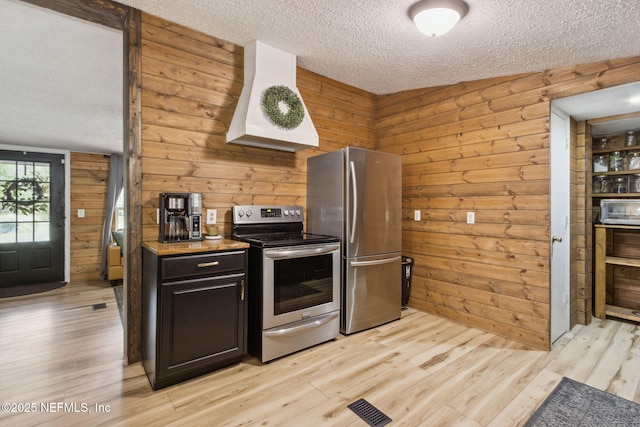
<point x="31" y="218"/>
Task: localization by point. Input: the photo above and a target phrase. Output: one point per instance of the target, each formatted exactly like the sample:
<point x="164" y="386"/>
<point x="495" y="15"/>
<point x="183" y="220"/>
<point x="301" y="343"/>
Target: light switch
<point x="212" y="216"/>
<point x="416" y="215"/>
<point x="80" y="213"/>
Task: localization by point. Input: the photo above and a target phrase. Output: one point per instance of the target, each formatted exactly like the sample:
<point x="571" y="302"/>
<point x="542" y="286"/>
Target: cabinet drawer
<point x="202" y="264"/>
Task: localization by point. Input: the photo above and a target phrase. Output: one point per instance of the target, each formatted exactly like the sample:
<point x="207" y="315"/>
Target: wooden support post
<point x="600" y="273"/>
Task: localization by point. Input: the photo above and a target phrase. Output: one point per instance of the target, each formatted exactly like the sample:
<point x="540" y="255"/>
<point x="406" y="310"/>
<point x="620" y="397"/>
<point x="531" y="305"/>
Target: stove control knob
<point x="240" y="213"/>
<point x="249" y="213"/>
<point x="285" y="212"/>
<point x="298" y="212"/>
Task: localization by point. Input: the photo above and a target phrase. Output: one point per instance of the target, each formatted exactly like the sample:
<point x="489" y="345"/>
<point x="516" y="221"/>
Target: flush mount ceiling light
<point x="436" y="17"/>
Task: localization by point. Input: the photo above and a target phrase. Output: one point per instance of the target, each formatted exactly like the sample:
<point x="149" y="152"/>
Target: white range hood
<point x="264" y="67"/>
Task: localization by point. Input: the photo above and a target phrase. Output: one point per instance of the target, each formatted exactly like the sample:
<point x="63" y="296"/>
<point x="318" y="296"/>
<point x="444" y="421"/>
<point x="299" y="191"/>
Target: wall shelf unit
<point x="616" y="175"/>
<point x="624" y="170"/>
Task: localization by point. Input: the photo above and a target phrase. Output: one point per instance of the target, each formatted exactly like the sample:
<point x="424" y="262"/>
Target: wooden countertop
<point x="183" y="248"/>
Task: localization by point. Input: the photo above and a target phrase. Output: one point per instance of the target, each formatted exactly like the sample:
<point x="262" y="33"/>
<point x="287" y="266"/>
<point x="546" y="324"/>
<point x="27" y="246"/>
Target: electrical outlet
<point x="416" y="215"/>
<point x="212" y="216"/>
<point x="80" y="213"/>
<point x="471" y="217"/>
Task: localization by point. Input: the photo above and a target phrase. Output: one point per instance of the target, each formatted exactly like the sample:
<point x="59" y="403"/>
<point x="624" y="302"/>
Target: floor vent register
<point x="372" y="415"/>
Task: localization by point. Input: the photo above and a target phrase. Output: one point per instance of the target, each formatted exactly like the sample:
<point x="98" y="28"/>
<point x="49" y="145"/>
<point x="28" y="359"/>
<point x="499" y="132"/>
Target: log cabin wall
<point x="89" y="184"/>
<point x="483" y="147"/>
<point x="190" y="86"/>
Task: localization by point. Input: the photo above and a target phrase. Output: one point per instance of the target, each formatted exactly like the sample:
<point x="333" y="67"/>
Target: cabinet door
<point x="202" y="323"/>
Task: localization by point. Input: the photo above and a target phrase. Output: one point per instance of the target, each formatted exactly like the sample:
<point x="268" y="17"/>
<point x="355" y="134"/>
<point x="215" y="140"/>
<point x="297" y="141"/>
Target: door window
<point x="25" y="201"/>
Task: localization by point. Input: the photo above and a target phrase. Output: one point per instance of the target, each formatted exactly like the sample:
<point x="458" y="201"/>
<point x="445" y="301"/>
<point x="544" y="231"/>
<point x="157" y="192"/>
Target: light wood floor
<point x="421" y="371"/>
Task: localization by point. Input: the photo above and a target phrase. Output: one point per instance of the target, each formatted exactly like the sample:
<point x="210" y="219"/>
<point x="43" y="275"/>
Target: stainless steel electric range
<point x="294" y="281"/>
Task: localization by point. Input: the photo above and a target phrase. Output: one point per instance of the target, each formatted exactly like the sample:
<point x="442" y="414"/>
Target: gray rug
<point x="575" y="404"/>
<point x="16" y="291"/>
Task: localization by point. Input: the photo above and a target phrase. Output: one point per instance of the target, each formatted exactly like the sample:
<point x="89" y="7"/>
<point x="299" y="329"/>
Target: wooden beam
<point x="133" y="188"/>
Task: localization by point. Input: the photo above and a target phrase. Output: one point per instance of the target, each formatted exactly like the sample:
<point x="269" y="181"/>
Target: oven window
<point x="301" y="283"/>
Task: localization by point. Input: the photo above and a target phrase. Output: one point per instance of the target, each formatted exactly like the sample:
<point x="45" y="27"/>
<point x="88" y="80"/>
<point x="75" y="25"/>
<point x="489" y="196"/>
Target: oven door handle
<point x="293" y="330"/>
<point x="295" y="253"/>
<point x="374" y="262"/>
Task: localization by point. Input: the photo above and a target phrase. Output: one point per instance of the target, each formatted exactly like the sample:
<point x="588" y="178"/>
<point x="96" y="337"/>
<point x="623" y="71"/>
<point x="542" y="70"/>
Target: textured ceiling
<point x="61" y="78"/>
<point x="373" y="45"/>
<point x="61" y="81"/>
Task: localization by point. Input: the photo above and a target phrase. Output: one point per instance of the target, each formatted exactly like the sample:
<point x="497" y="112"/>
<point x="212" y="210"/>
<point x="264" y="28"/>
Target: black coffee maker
<point x="180" y="217"/>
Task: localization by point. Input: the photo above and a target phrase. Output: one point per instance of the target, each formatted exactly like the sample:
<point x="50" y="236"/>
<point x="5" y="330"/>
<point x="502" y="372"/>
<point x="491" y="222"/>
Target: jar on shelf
<point x="634" y="183"/>
<point x="619" y="185"/>
<point x="601" y="163"/>
<point x="616" y="162"/>
<point x="633" y="160"/>
<point x="630" y="139"/>
<point x="600" y="143"/>
<point x="601" y="184"/>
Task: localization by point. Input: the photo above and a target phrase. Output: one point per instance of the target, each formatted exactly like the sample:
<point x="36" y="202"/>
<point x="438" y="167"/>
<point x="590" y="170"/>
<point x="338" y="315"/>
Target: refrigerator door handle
<point x="374" y="262"/>
<point x="354" y="186"/>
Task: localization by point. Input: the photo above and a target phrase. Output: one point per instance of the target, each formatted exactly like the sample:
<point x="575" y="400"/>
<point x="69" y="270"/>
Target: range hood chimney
<point x="266" y="67"/>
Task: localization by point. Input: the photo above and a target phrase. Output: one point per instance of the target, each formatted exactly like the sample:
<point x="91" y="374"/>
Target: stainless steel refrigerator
<point x="356" y="194"/>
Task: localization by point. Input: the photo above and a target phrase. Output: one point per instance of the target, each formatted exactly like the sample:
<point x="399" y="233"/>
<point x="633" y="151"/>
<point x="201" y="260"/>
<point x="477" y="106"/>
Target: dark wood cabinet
<point x="194" y="314"/>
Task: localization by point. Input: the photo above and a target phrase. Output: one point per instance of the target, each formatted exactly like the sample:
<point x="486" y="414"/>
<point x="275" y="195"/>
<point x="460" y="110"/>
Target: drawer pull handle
<point x="208" y="264"/>
<point x="242" y="290"/>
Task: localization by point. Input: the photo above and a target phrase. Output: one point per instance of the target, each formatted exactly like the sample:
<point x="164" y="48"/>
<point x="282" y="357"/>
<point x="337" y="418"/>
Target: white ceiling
<point x="61" y="81"/>
<point x="371" y="45"/>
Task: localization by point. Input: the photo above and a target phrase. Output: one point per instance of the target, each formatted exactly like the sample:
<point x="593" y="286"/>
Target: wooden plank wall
<point x="573" y="217"/>
<point x="89" y="183"/>
<point x="483" y="146"/>
<point x="190" y="86"/>
<point x="582" y="225"/>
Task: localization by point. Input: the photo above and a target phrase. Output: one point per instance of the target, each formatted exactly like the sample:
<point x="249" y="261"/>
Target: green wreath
<point x="24" y="194"/>
<point x="271" y="99"/>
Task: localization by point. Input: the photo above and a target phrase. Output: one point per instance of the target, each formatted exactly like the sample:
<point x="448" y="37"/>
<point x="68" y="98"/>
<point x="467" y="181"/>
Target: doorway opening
<point x="591" y="114"/>
<point x="125" y="20"/>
